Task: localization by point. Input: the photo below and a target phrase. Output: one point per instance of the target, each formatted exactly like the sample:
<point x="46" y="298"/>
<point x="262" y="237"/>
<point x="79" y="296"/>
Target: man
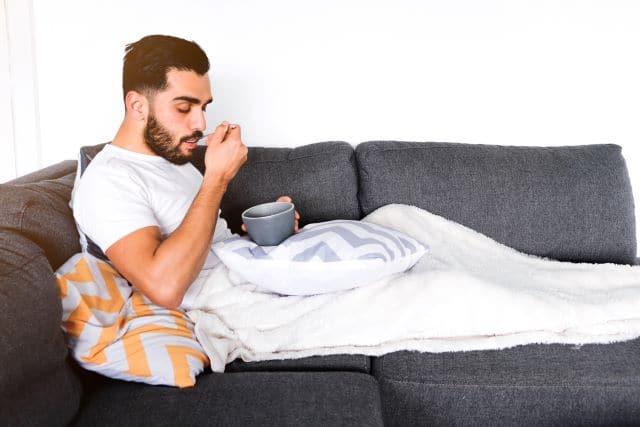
<point x="140" y="200"/>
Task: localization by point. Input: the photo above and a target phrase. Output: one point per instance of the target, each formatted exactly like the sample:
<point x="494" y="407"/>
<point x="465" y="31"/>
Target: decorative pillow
<point x="113" y="329"/>
<point x="322" y="257"/>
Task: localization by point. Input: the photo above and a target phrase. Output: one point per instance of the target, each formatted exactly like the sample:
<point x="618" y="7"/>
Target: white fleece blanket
<point x="468" y="293"/>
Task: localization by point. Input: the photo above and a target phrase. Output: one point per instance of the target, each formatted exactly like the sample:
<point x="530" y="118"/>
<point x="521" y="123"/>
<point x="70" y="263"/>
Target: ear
<point x="137" y="105"/>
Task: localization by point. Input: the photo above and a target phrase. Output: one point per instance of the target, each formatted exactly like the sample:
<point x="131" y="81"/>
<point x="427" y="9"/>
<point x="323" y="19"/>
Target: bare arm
<point x="164" y="269"/>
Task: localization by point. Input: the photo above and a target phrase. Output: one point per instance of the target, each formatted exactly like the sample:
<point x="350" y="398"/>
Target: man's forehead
<point x="188" y="85"/>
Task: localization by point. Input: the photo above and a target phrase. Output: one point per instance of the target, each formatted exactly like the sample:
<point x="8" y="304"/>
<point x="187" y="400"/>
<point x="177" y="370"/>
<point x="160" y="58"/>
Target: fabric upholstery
<point x="525" y="385"/>
<point x="532" y="384"/>
<point x="40" y="211"/>
<point x="247" y="399"/>
<point x="569" y="203"/>
<point x="87" y="154"/>
<point x="337" y="362"/>
<point x="320" y="178"/>
<point x="50" y="172"/>
<point x="37" y="385"/>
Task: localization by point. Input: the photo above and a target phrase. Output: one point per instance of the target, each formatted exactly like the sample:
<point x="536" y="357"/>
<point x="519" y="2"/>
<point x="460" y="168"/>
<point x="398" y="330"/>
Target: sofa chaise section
<point x="552" y="384"/>
<point x="569" y="203"/>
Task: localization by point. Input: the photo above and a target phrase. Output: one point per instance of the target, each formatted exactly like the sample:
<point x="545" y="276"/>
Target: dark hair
<point x="147" y="62"/>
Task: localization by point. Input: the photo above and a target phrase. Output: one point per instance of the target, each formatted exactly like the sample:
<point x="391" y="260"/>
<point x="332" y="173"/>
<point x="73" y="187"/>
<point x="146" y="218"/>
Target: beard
<point x="161" y="142"/>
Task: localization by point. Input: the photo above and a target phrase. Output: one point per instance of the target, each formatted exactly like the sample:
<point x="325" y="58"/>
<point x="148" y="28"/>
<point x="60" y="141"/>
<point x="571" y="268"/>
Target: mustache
<point x="197" y="135"/>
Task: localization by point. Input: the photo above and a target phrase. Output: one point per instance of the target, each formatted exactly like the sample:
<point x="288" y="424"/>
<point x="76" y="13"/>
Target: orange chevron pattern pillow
<point x="114" y="330"/>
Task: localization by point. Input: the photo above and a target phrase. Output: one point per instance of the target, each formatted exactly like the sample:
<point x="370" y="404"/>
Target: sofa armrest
<point x="50" y="172"/>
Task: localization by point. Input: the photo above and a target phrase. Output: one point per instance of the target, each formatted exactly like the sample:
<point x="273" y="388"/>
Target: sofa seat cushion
<point x="570" y="203"/>
<point x="337" y="362"/>
<point x="255" y="398"/>
<point x="531" y="384"/>
<point x="37" y="384"/>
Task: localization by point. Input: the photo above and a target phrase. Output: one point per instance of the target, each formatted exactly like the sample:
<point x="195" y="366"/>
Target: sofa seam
<point x="363" y="176"/>
<point x="353" y="161"/>
<point x="508" y="385"/>
<point x="22" y="215"/>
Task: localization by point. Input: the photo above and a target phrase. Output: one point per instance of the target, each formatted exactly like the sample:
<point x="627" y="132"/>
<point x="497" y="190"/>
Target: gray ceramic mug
<point x="269" y="224"/>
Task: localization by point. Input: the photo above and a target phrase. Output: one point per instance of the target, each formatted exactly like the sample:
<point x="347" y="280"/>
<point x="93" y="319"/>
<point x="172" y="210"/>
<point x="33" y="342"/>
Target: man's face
<point x="176" y="116"/>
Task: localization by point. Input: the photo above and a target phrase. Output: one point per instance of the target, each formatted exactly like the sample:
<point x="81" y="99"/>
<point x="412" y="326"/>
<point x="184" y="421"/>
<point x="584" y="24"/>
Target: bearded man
<point x="140" y="200"/>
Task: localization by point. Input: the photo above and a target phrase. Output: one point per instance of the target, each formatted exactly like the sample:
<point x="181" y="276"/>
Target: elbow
<point x="168" y="298"/>
<point x="171" y="302"/>
<point x="163" y="293"/>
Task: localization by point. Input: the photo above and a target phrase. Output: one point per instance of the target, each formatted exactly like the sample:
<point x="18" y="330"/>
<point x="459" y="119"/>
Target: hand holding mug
<point x="296" y="214"/>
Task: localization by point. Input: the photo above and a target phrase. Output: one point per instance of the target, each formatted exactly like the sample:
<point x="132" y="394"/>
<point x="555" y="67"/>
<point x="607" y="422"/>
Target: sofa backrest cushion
<point x="321" y="179"/>
<point x="40" y="211"/>
<point x="571" y="203"/>
<point x="37" y="385"/>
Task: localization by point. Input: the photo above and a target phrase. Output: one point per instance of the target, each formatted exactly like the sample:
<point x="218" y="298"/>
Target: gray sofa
<point x="568" y="203"/>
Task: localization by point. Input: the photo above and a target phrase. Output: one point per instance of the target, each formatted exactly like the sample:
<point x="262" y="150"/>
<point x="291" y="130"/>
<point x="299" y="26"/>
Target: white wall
<point x="7" y="153"/>
<point x="19" y="125"/>
<point x="512" y="72"/>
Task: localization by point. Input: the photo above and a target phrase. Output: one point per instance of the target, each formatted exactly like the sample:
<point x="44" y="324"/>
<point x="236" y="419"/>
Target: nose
<point x="198" y="121"/>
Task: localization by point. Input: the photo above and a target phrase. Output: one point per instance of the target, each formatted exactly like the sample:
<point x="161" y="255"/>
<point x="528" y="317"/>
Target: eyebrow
<point x="191" y="99"/>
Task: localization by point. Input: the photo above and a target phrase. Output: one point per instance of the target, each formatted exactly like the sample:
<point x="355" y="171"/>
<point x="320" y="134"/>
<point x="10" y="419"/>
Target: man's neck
<point x="130" y="138"/>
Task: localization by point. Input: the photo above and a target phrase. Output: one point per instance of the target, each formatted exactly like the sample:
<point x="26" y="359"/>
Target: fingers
<point x="288" y="199"/>
<point x="296" y="214"/>
<point x="233" y="131"/>
<point x="221" y="131"/>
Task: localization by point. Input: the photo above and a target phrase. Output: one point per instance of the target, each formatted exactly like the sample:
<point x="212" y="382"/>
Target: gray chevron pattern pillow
<point x="322" y="257"/>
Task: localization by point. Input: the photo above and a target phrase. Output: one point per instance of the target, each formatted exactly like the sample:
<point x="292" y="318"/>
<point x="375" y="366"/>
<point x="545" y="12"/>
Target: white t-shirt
<point x="122" y="191"/>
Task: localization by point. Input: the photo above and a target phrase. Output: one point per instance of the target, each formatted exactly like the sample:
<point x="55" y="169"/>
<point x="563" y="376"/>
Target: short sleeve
<point x="110" y="202"/>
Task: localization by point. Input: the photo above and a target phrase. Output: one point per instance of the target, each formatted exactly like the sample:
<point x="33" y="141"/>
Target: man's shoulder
<point x="123" y="171"/>
<point x="106" y="160"/>
<point x="108" y="173"/>
<point x="108" y="167"/>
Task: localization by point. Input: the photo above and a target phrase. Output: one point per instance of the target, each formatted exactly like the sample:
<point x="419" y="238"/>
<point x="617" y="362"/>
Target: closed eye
<point x="189" y="101"/>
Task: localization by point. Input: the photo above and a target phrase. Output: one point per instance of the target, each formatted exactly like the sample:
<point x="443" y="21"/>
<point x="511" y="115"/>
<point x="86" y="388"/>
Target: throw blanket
<point x="468" y="293"/>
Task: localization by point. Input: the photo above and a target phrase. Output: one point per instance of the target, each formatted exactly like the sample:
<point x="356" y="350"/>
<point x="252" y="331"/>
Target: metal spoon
<point x="204" y="137"/>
